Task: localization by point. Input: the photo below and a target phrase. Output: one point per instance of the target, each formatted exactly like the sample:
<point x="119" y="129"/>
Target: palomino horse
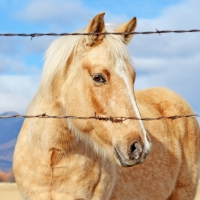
<point x="57" y="159"/>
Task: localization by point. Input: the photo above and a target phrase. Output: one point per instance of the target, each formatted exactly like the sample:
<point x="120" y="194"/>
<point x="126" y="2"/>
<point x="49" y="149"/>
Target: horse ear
<point x="97" y="25"/>
<point x="127" y="27"/>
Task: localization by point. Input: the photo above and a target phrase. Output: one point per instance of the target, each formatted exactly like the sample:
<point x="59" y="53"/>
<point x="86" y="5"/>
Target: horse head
<point x="98" y="77"/>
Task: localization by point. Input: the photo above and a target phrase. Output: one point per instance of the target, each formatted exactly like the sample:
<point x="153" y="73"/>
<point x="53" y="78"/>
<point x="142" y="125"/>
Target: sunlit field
<point x="9" y="191"/>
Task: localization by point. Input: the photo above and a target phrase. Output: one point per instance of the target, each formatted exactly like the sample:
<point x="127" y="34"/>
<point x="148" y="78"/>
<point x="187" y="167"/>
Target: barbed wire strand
<point x="104" y="33"/>
<point x="112" y="119"/>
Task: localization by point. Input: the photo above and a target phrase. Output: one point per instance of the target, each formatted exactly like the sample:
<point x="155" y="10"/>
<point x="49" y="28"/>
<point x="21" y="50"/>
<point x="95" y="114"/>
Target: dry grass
<point x="9" y="191"/>
<point x="198" y="193"/>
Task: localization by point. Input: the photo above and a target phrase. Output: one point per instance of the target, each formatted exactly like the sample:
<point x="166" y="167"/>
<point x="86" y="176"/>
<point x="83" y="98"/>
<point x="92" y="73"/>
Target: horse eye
<point x="99" y="78"/>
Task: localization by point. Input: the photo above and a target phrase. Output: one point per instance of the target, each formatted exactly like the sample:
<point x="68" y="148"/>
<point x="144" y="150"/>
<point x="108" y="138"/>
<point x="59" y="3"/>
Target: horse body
<point x="171" y="169"/>
<point x="92" y="159"/>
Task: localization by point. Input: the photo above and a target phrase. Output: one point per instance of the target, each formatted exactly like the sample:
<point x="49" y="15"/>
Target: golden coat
<point x="57" y="159"/>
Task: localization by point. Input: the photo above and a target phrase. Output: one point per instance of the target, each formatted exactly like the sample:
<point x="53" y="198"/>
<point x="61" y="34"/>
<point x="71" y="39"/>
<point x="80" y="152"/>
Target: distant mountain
<point x="9" y="130"/>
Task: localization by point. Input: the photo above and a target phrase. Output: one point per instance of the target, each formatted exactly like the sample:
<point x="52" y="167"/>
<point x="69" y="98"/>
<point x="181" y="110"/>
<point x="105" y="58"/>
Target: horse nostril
<point x="133" y="147"/>
<point x="135" y="150"/>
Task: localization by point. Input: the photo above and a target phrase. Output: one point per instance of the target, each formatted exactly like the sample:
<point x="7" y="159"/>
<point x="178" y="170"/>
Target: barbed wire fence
<point x="112" y="119"/>
<point x="32" y="35"/>
<point x="96" y="117"/>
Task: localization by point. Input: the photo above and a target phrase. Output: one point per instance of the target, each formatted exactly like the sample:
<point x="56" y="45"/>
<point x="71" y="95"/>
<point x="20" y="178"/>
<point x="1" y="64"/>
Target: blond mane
<point x="61" y="49"/>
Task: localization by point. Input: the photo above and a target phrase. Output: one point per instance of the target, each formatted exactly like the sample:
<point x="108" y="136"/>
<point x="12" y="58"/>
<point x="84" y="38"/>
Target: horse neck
<point x="55" y="132"/>
<point x="49" y="133"/>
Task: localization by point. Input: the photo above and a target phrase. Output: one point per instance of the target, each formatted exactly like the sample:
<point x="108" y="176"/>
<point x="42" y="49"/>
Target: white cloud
<point x="6" y="45"/>
<point x="181" y="16"/>
<point x="170" y="60"/>
<point x="15" y="53"/>
<point x="55" y="12"/>
<point x="16" y="92"/>
<point x="16" y="65"/>
<point x="37" y="45"/>
<point x="61" y="15"/>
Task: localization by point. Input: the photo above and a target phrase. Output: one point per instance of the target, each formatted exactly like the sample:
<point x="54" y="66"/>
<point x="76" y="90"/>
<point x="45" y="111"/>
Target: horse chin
<point x="125" y="162"/>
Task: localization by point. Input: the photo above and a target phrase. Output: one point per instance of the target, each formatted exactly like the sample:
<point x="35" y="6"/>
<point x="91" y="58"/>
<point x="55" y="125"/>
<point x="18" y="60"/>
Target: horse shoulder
<point x="182" y="135"/>
<point x="164" y="100"/>
<point x="158" y="102"/>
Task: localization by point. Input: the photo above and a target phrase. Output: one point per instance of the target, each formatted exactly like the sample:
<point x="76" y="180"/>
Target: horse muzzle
<point x="136" y="154"/>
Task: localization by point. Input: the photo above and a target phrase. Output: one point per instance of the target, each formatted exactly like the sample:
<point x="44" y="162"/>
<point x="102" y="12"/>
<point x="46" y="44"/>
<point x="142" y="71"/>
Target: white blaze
<point x="120" y="69"/>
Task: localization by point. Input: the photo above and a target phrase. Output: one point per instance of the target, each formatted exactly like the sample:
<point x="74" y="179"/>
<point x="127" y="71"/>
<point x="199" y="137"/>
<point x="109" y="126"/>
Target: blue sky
<point x="170" y="60"/>
<point x="15" y="17"/>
